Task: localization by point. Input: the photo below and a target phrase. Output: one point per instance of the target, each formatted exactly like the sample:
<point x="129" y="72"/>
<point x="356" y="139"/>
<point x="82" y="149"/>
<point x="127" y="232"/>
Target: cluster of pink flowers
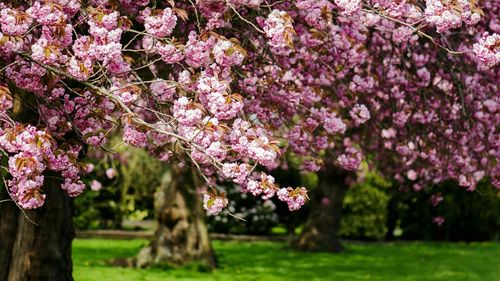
<point x="47" y="14"/>
<point x="265" y="186"/>
<point x="14" y="22"/>
<point x="331" y="122"/>
<point x="169" y="52"/>
<point x="186" y="112"/>
<point x="31" y="152"/>
<point x="134" y="137"/>
<point x="237" y="172"/>
<point x="215" y="97"/>
<point x="253" y="143"/>
<point x="350" y="160"/>
<point x="348" y="7"/>
<point x="279" y="29"/>
<point x="487" y="50"/>
<point x="446" y="15"/>
<point x="197" y="52"/>
<point x="436" y="199"/>
<point x="103" y="45"/>
<point x="316" y="13"/>
<point x="214" y="203"/>
<point x="27" y="75"/>
<point x="295" y="198"/>
<point x="360" y="114"/>
<point x="5" y="100"/>
<point x="159" y="23"/>
<point x="438" y="220"/>
<point x="162" y="90"/>
<point x="227" y="53"/>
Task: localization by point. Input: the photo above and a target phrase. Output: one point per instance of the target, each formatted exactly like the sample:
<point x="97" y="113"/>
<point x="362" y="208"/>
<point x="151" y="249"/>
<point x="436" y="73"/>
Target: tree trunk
<point x="182" y="235"/>
<point x="8" y="225"/>
<point x="392" y="217"/>
<point x="321" y="232"/>
<point x="41" y="252"/>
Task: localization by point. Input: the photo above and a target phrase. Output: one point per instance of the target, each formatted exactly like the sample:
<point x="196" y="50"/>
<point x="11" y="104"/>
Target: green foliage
<point x="98" y="210"/>
<point x="140" y="176"/>
<point x="128" y="195"/>
<point x="364" y="212"/>
<point x="270" y="261"/>
<point x="469" y="215"/>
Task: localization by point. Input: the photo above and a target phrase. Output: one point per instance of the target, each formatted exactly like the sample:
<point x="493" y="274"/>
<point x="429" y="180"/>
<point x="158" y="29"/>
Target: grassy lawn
<point x="273" y="261"/>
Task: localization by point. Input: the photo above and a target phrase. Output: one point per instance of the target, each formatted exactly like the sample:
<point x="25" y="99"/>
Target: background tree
<point x="181" y="236"/>
<point x="373" y="83"/>
<point x="128" y="184"/>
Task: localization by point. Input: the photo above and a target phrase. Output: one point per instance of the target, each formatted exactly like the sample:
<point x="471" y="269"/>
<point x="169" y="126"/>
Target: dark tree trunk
<point x="392" y="218"/>
<point x="41" y="252"/>
<point x="9" y="215"/>
<point x="321" y="232"/>
<point x="182" y="234"/>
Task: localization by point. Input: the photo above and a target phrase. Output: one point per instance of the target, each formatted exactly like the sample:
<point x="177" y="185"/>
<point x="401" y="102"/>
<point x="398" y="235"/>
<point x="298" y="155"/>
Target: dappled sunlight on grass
<point x="274" y="261"/>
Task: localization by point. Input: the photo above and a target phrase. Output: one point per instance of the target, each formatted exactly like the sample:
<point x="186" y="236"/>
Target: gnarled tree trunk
<point x="321" y="232"/>
<point x="41" y="252"/>
<point x="182" y="234"/>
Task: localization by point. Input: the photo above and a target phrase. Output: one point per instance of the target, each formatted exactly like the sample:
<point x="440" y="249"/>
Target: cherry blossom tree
<point x="410" y="88"/>
<point x="157" y="73"/>
<point x="230" y="87"/>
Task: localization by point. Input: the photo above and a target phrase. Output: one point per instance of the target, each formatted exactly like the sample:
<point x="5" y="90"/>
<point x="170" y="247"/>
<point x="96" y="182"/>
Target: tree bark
<point x="8" y="226"/>
<point x="321" y="232"/>
<point x="40" y="252"/>
<point x="182" y="235"/>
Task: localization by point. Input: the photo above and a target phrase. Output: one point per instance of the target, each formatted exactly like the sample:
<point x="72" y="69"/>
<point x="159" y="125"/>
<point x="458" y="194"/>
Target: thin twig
<point x="20" y="208"/>
<point x="243" y="19"/>
<point x="415" y="29"/>
<point x="235" y="216"/>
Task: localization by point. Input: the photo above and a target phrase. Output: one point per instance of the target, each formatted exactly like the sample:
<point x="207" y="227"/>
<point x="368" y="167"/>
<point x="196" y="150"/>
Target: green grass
<point x="272" y="261"/>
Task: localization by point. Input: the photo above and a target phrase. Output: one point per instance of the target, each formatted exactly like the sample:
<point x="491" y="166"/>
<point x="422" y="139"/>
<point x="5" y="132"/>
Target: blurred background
<point x="140" y="212"/>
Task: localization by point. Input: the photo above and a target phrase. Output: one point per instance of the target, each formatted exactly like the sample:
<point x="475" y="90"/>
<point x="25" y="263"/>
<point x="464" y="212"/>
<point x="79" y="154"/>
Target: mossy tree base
<point x="182" y="235"/>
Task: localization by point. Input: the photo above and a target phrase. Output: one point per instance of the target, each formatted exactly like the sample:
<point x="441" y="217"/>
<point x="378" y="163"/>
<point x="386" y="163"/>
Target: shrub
<point x="364" y="213"/>
<point x="469" y="216"/>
